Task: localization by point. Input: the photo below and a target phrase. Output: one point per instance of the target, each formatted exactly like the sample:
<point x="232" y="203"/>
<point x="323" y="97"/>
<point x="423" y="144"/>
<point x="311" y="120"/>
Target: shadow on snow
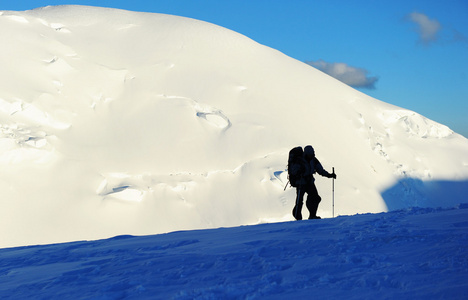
<point x="412" y="192"/>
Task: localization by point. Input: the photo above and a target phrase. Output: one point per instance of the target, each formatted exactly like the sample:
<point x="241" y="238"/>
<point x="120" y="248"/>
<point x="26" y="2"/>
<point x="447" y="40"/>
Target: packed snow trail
<point x="408" y="254"/>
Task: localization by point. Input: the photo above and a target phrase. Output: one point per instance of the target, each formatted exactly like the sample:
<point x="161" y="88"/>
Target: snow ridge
<point x="411" y="254"/>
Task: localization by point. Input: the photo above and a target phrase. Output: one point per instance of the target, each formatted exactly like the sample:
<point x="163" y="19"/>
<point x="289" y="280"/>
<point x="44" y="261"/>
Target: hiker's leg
<point x="297" y="210"/>
<point x="313" y="200"/>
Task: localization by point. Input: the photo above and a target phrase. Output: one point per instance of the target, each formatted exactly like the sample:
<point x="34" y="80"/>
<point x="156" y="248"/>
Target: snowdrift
<point x="116" y="122"/>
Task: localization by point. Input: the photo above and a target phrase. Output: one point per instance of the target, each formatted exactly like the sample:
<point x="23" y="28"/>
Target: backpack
<point x="296" y="166"/>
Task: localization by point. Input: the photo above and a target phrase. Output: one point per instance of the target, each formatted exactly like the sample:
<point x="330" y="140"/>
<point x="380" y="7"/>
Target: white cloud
<point x="352" y="76"/>
<point x="428" y="29"/>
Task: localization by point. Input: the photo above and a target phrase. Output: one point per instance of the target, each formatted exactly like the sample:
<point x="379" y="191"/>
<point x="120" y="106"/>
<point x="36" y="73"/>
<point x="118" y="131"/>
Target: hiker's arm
<point x="322" y="171"/>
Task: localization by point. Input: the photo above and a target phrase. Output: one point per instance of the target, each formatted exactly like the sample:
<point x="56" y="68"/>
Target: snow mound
<point x="115" y="122"/>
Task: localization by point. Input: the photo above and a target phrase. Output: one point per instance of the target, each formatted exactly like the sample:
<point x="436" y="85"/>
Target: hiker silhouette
<point x="305" y="167"/>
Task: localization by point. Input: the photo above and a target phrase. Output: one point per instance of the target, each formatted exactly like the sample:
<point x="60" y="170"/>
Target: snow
<point x="415" y="253"/>
<point x="115" y="122"/>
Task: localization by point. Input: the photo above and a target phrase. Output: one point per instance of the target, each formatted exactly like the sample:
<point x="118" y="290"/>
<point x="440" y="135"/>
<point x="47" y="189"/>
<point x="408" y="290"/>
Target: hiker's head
<point x="309" y="152"/>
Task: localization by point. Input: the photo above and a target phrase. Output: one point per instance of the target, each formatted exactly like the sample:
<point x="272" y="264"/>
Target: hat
<point x="309" y="151"/>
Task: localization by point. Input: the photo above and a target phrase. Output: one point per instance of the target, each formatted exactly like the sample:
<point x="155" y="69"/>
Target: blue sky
<point x="413" y="54"/>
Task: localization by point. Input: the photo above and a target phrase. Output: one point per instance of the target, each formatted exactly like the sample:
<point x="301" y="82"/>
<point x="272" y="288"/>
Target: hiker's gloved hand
<point x="333" y="175"/>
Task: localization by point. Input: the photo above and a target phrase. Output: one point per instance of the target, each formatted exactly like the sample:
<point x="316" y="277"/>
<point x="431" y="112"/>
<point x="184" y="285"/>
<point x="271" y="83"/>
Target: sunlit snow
<point x="115" y="122"/>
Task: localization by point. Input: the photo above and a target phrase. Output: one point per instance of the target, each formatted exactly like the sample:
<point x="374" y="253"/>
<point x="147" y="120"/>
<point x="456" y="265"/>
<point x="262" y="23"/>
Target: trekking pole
<point x="333" y="194"/>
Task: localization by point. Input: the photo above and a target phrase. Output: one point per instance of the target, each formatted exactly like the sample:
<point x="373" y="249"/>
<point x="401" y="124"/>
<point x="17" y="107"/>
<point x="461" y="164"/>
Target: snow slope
<point x="408" y="254"/>
<point x="116" y="122"/>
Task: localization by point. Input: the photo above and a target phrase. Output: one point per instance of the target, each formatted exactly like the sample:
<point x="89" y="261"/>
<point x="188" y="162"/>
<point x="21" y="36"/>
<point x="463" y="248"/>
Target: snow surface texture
<point x="115" y="122"/>
<point x="418" y="253"/>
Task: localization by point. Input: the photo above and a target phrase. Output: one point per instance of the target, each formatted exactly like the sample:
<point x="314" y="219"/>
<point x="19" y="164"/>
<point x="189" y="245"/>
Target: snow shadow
<point x="414" y="192"/>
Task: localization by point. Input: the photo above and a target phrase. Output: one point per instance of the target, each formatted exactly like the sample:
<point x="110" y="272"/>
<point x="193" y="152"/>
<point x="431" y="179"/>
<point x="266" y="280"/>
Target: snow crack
<point x="211" y="115"/>
<point x="20" y="143"/>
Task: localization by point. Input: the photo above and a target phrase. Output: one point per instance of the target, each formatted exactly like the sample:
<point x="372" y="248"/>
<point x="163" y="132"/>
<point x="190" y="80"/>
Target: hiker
<point x="306" y="183"/>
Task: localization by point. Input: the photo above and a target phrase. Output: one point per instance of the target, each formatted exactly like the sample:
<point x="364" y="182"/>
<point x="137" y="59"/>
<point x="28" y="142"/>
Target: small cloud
<point x="428" y="29"/>
<point x="354" y="77"/>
